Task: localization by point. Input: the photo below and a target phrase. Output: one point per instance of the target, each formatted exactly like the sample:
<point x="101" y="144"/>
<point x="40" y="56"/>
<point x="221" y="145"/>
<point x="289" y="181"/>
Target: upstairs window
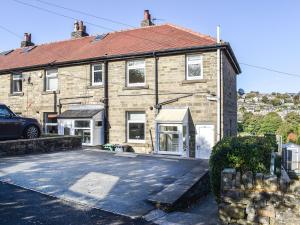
<point x="136" y="73"/>
<point x="194" y="67"/>
<point x="97" y="74"/>
<point x="51" y="80"/>
<point x="17" y="83"/>
<point x="136" y="127"/>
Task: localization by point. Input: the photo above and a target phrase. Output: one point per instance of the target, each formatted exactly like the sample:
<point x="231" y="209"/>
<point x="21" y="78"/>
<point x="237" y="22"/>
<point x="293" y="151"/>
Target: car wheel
<point x="31" y="132"/>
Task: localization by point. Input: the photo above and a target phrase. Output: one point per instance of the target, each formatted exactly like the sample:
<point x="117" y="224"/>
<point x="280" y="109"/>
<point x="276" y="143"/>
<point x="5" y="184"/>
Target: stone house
<point x="159" y="88"/>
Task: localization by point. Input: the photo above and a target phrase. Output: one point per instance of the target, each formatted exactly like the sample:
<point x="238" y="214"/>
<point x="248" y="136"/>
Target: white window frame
<point x="128" y="121"/>
<point x="52" y="75"/>
<point x="180" y="137"/>
<point x="199" y="61"/>
<point x="90" y="128"/>
<point x="14" y="78"/>
<point x="142" y="66"/>
<point x="46" y="124"/>
<point x="93" y="74"/>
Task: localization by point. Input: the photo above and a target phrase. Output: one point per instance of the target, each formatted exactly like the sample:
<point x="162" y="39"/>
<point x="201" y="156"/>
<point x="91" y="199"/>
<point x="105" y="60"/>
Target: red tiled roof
<point x="147" y="39"/>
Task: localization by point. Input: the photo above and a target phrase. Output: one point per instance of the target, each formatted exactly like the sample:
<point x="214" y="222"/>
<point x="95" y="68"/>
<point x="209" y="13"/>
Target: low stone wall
<point x="39" y="145"/>
<point x="259" y="199"/>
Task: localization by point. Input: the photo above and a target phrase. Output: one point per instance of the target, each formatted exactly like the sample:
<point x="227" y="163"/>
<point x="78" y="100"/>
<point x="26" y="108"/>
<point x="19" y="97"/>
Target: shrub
<point x="243" y="153"/>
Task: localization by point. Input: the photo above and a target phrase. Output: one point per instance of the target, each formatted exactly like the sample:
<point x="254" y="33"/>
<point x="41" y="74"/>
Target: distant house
<point x="159" y="88"/>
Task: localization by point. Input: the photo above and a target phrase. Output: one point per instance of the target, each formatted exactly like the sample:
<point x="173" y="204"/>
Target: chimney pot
<point x="147" y="19"/>
<point x="27" y="40"/>
<point x="147" y="15"/>
<point x="79" y="30"/>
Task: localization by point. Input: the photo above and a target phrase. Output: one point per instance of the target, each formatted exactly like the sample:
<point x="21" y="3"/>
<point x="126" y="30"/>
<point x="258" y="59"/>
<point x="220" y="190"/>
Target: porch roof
<point x="172" y="115"/>
<point x="74" y="114"/>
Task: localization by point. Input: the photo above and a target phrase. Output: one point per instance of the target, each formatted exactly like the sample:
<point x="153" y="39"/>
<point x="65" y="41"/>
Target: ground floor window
<point x="173" y="139"/>
<point x="136" y="126"/>
<point x="50" y="123"/>
<point x="80" y="127"/>
<point x="83" y="129"/>
<point x="168" y="138"/>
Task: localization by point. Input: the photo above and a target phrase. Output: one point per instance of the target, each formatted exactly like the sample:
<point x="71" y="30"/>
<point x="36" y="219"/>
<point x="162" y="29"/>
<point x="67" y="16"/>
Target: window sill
<point x="136" y="144"/>
<point x="194" y="81"/>
<point x="50" y="92"/>
<point x="136" y="87"/>
<point x="17" y="94"/>
<point x="95" y="86"/>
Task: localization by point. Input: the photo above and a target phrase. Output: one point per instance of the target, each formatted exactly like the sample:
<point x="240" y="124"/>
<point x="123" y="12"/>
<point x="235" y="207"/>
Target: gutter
<point x="131" y="56"/>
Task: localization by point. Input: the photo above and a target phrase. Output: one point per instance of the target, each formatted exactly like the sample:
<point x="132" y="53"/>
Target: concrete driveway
<point x="118" y="183"/>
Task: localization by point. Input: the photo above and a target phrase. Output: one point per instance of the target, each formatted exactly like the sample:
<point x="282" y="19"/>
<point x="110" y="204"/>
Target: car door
<point x="10" y="125"/>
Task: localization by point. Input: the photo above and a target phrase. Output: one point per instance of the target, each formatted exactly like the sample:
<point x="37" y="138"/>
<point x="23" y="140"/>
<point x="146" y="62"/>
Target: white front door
<point x="205" y="136"/>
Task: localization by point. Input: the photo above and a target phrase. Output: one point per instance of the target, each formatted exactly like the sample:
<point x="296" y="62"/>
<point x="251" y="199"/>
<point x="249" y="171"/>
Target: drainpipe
<point x="218" y="86"/>
<point x="156" y="106"/>
<point x="106" y="106"/>
<point x="156" y="80"/>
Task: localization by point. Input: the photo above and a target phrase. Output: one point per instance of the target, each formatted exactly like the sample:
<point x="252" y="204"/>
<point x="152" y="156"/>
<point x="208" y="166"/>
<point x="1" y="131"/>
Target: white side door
<point x="205" y="136"/>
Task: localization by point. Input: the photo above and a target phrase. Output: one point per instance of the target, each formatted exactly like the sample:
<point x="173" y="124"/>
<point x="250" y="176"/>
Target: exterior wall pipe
<point x="156" y="79"/>
<point x="106" y="104"/>
<point x="218" y="87"/>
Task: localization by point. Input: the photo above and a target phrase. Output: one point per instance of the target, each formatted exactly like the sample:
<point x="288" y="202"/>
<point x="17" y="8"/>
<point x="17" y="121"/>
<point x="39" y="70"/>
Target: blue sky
<point x="263" y="33"/>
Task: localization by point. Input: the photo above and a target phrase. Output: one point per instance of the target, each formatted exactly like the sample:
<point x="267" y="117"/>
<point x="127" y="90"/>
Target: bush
<point x="243" y="153"/>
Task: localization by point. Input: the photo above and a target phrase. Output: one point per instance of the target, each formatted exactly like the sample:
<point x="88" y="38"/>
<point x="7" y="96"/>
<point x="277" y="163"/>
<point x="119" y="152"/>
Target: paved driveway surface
<point x="118" y="183"/>
<point x="19" y="206"/>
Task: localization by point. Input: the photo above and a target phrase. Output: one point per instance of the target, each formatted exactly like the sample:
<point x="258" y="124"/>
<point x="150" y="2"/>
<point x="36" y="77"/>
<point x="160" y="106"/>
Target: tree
<point x="251" y="123"/>
<point x="293" y="119"/>
<point x="284" y="130"/>
<point x="276" y="102"/>
<point x="251" y="95"/>
<point x="296" y="99"/>
<point x="270" y="123"/>
<point x="265" y="100"/>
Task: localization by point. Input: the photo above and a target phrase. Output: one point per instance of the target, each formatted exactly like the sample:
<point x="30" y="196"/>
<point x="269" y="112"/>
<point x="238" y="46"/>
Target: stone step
<point x="184" y="191"/>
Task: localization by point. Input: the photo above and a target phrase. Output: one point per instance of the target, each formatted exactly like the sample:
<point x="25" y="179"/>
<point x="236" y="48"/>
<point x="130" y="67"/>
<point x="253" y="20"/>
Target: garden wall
<point x="39" y="145"/>
<point x="259" y="199"/>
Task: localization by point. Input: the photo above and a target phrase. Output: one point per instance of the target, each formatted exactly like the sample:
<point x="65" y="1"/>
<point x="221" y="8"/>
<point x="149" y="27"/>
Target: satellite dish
<point x="241" y="92"/>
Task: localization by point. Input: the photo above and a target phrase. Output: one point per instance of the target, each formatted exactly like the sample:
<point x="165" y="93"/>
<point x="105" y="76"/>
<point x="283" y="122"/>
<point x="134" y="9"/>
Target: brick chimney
<point x="79" y="30"/>
<point x="147" y="19"/>
<point x="27" y="40"/>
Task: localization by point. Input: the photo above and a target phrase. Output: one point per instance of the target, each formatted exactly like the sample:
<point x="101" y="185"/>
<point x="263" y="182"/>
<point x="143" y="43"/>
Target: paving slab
<point x="204" y="212"/>
<point x="119" y="183"/>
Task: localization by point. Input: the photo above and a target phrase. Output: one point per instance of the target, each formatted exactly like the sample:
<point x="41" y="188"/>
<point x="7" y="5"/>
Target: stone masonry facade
<point x="74" y="81"/>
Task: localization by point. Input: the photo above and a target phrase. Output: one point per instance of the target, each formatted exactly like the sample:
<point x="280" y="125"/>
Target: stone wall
<point x="229" y="99"/>
<point x="258" y="199"/>
<point x="39" y="145"/>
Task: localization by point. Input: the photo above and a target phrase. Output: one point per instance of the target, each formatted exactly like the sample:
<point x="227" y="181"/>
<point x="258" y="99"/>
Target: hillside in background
<point x="275" y="113"/>
<point x="264" y="103"/>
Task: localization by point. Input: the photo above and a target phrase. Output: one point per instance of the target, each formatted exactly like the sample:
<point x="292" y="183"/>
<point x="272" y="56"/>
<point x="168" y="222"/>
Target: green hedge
<point x="243" y="153"/>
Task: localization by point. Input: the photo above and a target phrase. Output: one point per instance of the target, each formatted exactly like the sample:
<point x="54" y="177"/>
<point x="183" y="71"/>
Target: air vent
<point x="99" y="37"/>
<point x="6" y="52"/>
<point x="28" y="49"/>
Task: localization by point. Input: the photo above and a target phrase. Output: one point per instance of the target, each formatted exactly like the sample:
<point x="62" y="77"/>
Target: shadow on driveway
<point x="19" y="206"/>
